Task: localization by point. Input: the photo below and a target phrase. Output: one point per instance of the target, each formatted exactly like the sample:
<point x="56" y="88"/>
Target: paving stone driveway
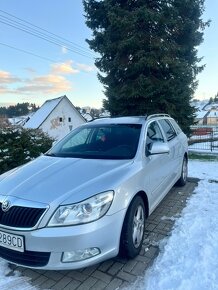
<point x="118" y="273"/>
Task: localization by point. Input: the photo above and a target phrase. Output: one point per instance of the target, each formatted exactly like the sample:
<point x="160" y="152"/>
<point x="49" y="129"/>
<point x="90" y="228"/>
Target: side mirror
<point x="159" y="148"/>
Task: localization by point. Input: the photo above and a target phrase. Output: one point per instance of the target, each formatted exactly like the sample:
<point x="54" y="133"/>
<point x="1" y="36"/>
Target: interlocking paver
<point x="118" y="273"/>
<point x="99" y="285"/>
<point x="105" y="265"/>
<point x="77" y="276"/>
<point x="116" y="268"/>
<point x="151" y="252"/>
<point x="126" y="276"/>
<point x="114" y="284"/>
<point x="102" y="276"/>
<point x="139" y="268"/>
<point x="48" y="284"/>
<point x="87" y="284"/>
<point x="150" y="227"/>
<point x="62" y="283"/>
<point x="39" y="281"/>
<point x="143" y="259"/>
<point x="31" y="273"/>
<point x="72" y="285"/>
<point x="129" y="265"/>
<point x="88" y="271"/>
<point x="54" y="275"/>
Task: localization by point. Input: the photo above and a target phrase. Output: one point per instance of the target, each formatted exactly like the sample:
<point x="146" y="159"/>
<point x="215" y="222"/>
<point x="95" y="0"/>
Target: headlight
<point x="84" y="212"/>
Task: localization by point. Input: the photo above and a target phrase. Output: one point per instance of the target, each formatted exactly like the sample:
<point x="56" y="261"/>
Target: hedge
<point x="18" y="146"/>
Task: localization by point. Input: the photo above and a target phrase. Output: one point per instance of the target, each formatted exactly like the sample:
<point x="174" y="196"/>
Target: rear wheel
<point x="183" y="178"/>
<point x="133" y="229"/>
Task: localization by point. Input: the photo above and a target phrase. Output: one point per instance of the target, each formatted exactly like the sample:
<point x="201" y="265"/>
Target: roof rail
<point x="98" y="118"/>
<point x="157" y="115"/>
<point x="119" y="116"/>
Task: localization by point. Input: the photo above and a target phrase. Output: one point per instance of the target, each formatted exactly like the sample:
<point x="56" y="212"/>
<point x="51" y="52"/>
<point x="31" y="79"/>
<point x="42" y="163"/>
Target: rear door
<point x="174" y="145"/>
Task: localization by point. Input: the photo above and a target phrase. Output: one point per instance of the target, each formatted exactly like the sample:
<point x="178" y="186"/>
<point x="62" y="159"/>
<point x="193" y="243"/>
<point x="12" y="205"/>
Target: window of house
<point x="60" y="119"/>
<point x="69" y="119"/>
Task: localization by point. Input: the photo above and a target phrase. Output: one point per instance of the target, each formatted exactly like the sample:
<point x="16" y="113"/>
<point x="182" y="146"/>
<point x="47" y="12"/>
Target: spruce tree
<point x="147" y="54"/>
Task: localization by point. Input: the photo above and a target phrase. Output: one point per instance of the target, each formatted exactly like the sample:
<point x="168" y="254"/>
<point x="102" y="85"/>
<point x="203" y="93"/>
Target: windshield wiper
<point x="50" y="154"/>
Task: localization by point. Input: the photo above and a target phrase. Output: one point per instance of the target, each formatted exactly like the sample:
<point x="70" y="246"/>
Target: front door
<point x="156" y="171"/>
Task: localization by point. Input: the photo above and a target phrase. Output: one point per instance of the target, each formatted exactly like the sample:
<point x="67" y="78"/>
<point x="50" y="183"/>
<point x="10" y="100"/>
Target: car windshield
<point x="116" y="141"/>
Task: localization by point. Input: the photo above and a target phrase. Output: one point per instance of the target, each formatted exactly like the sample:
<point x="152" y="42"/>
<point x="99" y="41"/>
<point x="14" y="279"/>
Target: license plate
<point x="11" y="241"/>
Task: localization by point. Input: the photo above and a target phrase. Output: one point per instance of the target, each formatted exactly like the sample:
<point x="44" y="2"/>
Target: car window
<point x="153" y="135"/>
<point x="176" y="126"/>
<point x="168" y="129"/>
<point x="110" y="141"/>
<point x="78" y="139"/>
<point x="103" y="133"/>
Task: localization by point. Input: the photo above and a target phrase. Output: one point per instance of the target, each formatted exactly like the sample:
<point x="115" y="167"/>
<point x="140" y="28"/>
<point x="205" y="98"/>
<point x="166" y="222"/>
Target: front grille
<point x="20" y="217"/>
<point x="27" y="258"/>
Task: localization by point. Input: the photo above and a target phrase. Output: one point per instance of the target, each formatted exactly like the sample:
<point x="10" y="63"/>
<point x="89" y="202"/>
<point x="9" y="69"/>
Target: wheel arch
<point x="144" y="198"/>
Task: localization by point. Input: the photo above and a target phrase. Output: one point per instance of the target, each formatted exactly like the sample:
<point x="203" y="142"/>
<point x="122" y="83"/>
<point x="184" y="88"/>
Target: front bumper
<point x="103" y="234"/>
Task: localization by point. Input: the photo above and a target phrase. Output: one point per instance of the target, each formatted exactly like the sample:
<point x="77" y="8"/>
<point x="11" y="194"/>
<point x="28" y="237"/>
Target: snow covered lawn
<point x="189" y="258"/>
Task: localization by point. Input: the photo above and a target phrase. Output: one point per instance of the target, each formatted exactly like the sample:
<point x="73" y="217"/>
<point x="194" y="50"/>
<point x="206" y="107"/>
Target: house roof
<point x="201" y="114"/>
<point x="87" y="116"/>
<point x="44" y="111"/>
<point x="213" y="114"/>
<point x="21" y="120"/>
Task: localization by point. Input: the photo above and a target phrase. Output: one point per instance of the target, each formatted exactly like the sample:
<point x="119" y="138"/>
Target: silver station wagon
<point x="86" y="200"/>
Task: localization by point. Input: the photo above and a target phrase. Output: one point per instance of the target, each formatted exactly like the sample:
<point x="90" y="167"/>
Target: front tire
<point x="183" y="178"/>
<point x="133" y="229"/>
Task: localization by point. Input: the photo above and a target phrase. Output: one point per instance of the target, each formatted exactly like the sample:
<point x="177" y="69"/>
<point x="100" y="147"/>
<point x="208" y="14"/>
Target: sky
<point x="34" y="70"/>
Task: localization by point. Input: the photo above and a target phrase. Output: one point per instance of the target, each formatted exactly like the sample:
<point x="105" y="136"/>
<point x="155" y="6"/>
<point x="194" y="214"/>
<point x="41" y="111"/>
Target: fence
<point x="204" y="138"/>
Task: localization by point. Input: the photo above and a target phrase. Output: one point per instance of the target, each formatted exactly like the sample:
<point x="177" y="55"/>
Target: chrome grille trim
<point x="23" y="215"/>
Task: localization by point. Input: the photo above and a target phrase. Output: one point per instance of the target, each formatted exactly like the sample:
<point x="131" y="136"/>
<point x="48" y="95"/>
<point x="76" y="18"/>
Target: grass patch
<point x="202" y="156"/>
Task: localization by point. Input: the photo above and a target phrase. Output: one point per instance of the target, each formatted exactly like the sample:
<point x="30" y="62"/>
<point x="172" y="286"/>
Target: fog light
<point x="80" y="255"/>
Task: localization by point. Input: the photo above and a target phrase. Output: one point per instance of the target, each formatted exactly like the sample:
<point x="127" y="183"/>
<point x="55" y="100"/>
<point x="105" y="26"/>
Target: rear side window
<point x="168" y="129"/>
<point x="176" y="126"/>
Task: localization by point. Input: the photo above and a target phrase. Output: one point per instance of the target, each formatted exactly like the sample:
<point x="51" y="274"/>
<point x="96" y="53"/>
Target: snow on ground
<point x="188" y="260"/>
<point x="15" y="282"/>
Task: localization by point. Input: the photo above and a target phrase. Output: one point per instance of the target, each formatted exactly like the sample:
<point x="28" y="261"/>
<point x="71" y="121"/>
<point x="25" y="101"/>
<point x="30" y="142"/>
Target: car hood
<point x="54" y="179"/>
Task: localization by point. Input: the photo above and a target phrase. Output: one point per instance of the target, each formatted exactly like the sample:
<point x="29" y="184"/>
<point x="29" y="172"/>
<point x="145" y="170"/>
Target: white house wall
<point x="58" y="129"/>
